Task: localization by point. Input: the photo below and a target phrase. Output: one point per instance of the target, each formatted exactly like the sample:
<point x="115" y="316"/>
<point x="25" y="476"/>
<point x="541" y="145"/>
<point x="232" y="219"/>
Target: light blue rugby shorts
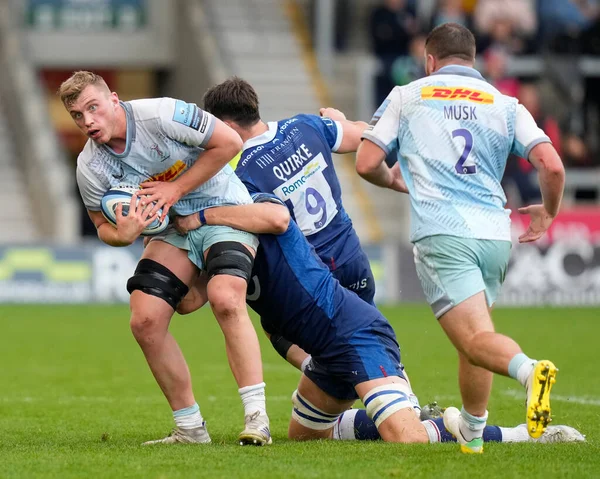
<point x="197" y="241"/>
<point x="452" y="269"/>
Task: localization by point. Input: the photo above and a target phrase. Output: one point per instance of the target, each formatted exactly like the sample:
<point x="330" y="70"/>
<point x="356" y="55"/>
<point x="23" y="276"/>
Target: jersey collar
<point x="265" y="137"/>
<point x="459" y="70"/>
<point x="130" y="137"/>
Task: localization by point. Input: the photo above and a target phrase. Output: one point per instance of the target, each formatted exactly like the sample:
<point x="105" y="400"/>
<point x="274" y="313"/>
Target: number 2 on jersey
<point x="460" y="166"/>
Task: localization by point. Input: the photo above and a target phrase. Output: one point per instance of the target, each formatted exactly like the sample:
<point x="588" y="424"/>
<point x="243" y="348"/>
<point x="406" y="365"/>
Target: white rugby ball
<point x="123" y="194"/>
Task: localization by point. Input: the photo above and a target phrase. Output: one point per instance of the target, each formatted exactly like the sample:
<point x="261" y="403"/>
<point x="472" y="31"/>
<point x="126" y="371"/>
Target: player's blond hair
<point x="72" y="87"/>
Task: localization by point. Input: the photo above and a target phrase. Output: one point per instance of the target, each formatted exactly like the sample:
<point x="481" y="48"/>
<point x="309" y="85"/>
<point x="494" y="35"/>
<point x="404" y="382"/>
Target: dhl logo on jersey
<point x="170" y="174"/>
<point x="456" y="93"/>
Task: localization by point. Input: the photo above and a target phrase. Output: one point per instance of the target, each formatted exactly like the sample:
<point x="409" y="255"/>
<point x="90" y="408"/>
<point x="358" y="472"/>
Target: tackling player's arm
<point x="294" y="354"/>
<point x="188" y="124"/>
<point x="257" y="218"/>
<point x="352" y="130"/>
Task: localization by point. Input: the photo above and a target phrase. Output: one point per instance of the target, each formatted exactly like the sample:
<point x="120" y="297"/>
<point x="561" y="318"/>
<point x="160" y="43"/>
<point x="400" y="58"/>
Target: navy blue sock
<point x="364" y="427"/>
<point x="490" y="433"/>
<point x="365" y="430"/>
<point x="445" y="435"/>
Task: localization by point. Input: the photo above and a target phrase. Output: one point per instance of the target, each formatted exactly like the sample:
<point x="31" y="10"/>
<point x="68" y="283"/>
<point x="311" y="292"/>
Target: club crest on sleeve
<point x="188" y="114"/>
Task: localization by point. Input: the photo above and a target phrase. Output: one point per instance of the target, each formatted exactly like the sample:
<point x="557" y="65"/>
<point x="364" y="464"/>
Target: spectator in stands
<point x="561" y="21"/>
<point x="450" y="11"/>
<point x="509" y="23"/>
<point x="411" y="67"/>
<point x="392" y="25"/>
<point x="469" y="6"/>
<point x="496" y="60"/>
<point x="521" y="13"/>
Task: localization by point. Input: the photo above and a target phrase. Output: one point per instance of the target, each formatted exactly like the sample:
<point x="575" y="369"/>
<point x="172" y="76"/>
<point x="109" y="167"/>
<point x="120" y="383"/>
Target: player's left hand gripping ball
<point x="163" y="194"/>
<point x="123" y="194"/>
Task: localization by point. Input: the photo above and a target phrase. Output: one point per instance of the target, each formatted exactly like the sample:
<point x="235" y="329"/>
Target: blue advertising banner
<point x="84" y="274"/>
<point x="92" y="273"/>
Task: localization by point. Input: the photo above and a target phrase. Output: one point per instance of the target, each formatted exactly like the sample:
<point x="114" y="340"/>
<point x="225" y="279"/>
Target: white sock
<point x="253" y="399"/>
<point x="515" y="434"/>
<point x="524" y="372"/>
<point x="470" y="426"/>
<point x="343" y="430"/>
<point x="432" y="431"/>
<point x="520" y="367"/>
<point x="188" y="417"/>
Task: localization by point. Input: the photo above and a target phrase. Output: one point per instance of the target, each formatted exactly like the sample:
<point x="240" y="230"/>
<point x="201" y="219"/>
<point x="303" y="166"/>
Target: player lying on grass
<point x="355" y="424"/>
<point x="157" y="143"/>
<point x="454" y="133"/>
<point x="292" y="159"/>
<point x="353" y="347"/>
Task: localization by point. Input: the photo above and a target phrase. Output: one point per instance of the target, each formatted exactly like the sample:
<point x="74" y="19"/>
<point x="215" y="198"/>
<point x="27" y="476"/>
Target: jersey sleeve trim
<point x="534" y="143"/>
<point x="339" y="138"/>
<point x="368" y="136"/>
<point x="211" y="129"/>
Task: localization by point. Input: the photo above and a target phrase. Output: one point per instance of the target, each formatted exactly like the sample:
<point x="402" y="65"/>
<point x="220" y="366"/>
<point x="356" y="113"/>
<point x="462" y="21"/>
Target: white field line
<point x="442" y="399"/>
<point x="583" y="400"/>
<point x="121" y="399"/>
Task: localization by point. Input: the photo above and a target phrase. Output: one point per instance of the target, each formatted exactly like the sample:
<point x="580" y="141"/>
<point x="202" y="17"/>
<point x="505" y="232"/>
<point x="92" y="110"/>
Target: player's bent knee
<point x="383" y="401"/>
<point x="227" y="302"/>
<point x="147" y="324"/>
<point x="310" y="416"/>
<point x="157" y="280"/>
<point x="229" y="258"/>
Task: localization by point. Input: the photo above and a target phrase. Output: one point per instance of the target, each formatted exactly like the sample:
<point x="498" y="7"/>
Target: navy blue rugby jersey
<point x="293" y="161"/>
<point x="296" y="295"/>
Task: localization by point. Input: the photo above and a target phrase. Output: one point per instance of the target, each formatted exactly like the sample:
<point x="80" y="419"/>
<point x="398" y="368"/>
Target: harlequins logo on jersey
<point x="157" y="152"/>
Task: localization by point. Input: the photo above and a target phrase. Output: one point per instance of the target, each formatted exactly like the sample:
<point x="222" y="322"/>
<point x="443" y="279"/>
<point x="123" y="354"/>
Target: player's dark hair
<point x="234" y="100"/>
<point x="451" y="40"/>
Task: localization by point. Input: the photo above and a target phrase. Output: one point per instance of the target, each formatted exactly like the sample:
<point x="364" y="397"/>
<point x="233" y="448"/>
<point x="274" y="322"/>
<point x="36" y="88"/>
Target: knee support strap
<point x="311" y="416"/>
<point x="231" y="258"/>
<point x="383" y="401"/>
<point x="157" y="280"/>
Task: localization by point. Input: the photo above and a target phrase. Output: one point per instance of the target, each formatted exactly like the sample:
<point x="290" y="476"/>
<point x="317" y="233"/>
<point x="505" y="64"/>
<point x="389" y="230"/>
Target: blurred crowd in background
<point x="505" y="29"/>
<point x="547" y="38"/>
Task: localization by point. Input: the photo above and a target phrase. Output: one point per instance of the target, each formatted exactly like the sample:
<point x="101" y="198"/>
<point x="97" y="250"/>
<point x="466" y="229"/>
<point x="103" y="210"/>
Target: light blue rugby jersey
<point x="165" y="137"/>
<point x="454" y="133"/>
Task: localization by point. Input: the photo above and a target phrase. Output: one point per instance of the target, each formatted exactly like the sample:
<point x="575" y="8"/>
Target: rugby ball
<point x="123" y="194"/>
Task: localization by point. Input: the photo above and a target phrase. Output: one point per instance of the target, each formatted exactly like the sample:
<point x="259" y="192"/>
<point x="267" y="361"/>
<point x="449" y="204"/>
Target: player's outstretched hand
<point x="184" y="224"/>
<point x="162" y="193"/>
<point x="539" y="224"/>
<point x="129" y="227"/>
<point x="335" y="115"/>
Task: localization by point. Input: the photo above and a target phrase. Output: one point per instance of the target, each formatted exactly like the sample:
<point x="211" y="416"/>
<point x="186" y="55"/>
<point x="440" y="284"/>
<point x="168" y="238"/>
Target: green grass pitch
<point x="77" y="399"/>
